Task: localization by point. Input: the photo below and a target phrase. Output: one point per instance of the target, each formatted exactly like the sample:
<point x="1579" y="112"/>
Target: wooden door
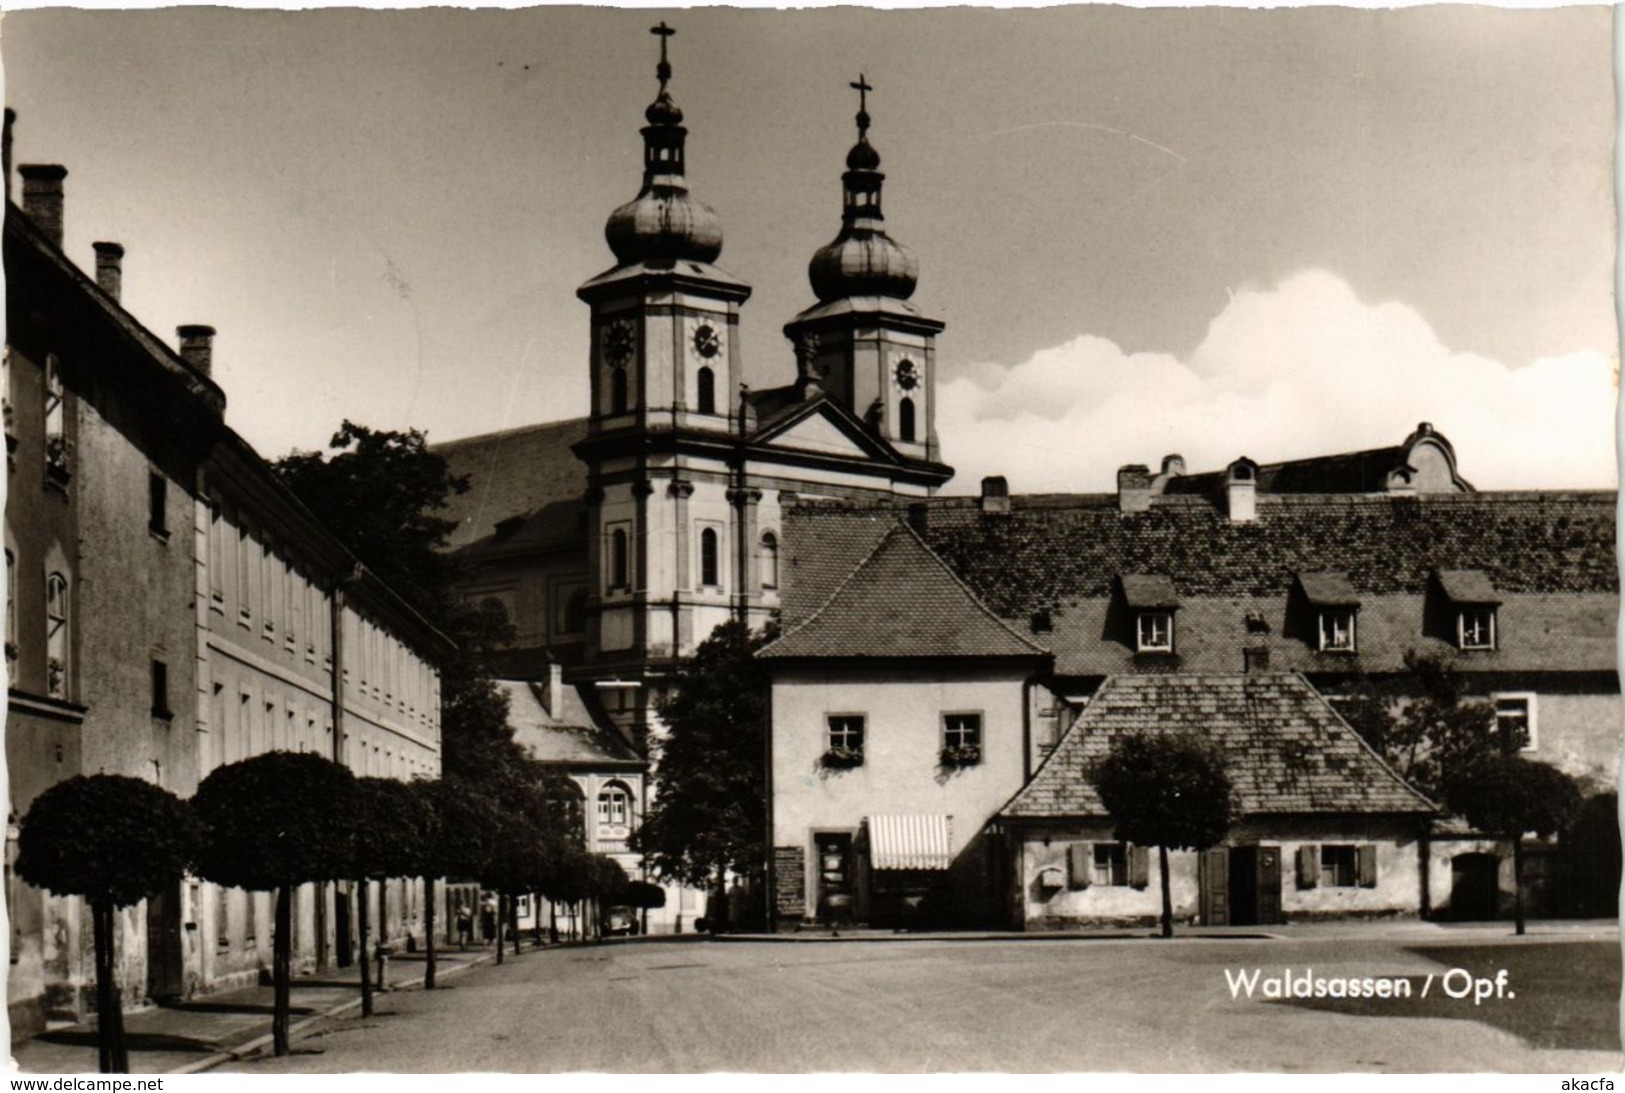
<point x="1269" y="885"/>
<point x="1216" y="886"/>
<point x="166" y="976"/>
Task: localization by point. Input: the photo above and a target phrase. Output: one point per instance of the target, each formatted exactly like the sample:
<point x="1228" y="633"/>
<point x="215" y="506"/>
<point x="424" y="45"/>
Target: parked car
<point x="620" y="920"/>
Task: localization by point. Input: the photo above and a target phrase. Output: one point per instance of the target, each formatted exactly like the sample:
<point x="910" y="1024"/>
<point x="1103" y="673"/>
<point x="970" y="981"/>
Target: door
<point x="1244" y="871"/>
<point x="832" y="852"/>
<point x="1269" y="885"/>
<point x="166" y="973"/>
<point x="1216" y="886"/>
<point x="1475" y="887"/>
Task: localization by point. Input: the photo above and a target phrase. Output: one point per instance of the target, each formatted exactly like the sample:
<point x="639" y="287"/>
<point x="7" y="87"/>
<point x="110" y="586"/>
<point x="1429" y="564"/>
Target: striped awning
<point x="910" y="842"/>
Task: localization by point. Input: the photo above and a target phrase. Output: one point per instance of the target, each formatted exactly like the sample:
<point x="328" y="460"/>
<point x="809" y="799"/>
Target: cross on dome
<point x="862" y="87"/>
<point x="663" y="69"/>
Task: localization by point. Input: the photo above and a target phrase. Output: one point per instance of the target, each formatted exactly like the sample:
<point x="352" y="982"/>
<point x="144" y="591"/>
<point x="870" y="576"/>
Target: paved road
<point x="911" y="1006"/>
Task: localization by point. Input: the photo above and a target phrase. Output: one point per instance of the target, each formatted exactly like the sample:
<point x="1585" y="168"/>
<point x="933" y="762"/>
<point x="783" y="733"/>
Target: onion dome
<point x="663" y="222"/>
<point x="863" y="260"/>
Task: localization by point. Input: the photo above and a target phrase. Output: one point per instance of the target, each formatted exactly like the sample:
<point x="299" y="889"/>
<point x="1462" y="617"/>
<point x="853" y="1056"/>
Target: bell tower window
<point x="707" y="391"/>
<point x="618" y="568"/>
<point x="617" y="391"/>
<point x="905" y="420"/>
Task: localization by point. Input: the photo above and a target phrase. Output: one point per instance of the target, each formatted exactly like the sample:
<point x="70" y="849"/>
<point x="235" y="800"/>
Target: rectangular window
<point x="846" y="732"/>
<point x="1337" y="630"/>
<point x="160" y="690"/>
<point x="1155" y="632"/>
<point x="1475" y="628"/>
<point x="1339" y="866"/>
<point x="1110" y="864"/>
<point x="961" y="739"/>
<point x="157" y="504"/>
<point x="1515" y="720"/>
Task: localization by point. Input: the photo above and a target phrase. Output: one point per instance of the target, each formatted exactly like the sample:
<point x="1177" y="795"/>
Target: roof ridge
<point x="833" y="596"/>
<point x="1363" y="743"/>
<point x="495" y="434"/>
<point x="974" y="598"/>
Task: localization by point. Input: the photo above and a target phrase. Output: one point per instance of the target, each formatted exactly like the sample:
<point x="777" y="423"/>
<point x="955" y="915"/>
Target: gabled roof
<point x="530" y="474"/>
<point x="1286" y="750"/>
<point x="565" y="737"/>
<point x="902" y="602"/>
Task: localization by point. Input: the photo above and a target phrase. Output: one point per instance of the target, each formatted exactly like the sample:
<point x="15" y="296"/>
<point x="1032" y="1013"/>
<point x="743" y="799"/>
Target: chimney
<point x="110" y="268"/>
<point x="1133" y="488"/>
<point x="995" y="495"/>
<point x="917" y="517"/>
<point x="555" y="689"/>
<point x="5" y="148"/>
<point x="197" y="347"/>
<point x="42" y="197"/>
<point x="1241" y="490"/>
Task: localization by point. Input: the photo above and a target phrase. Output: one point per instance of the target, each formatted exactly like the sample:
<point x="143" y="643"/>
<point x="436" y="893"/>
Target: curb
<point x="260" y="1043"/>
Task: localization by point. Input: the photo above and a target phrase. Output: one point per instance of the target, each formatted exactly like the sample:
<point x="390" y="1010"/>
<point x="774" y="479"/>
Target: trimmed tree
<point x="644" y="896"/>
<point x="391" y="821"/>
<point x="271" y="823"/>
<point x="607" y="883"/>
<point x="114" y="841"/>
<point x="1167" y="791"/>
<point x="709" y="810"/>
<point x="1507" y="796"/>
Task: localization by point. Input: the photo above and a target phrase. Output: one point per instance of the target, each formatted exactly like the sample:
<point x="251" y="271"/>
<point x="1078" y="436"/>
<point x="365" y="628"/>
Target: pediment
<point x="819" y="432"/>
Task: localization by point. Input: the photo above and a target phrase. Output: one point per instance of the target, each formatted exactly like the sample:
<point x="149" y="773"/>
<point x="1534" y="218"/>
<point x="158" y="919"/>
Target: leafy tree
<point x="1167" y="791"/>
<point x="115" y="841"/>
<point x="643" y="896"/>
<point x="273" y="822"/>
<point x="392" y="821"/>
<point x="709" y="811"/>
<point x="1506" y="795"/>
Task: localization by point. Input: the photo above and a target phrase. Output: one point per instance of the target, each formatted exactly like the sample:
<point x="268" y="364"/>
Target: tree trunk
<point x="362" y="915"/>
<point x="513" y="922"/>
<point x="282" y="967"/>
<point x="428" y="933"/>
<point x="1167" y="896"/>
<point x="1517" y="879"/>
<point x="113" y="1057"/>
<point x="502" y="917"/>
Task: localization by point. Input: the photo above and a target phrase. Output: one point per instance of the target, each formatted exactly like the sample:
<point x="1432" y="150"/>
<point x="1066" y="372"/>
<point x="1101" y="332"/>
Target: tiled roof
<point x="1286" y="749"/>
<point x="1467" y="586"/>
<point x="902" y="602"/>
<point x="526" y="475"/>
<point x="568" y="738"/>
<point x="1549" y="557"/>
<point x="1328" y="589"/>
<point x="1147" y="590"/>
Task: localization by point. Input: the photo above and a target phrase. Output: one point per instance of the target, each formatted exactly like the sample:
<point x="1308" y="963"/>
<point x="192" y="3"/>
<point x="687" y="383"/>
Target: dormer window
<point x="1475" y="627"/>
<point x="1154" y="632"/>
<point x="1473" y="606"/>
<point x="1151" y="599"/>
<point x="1335" y="605"/>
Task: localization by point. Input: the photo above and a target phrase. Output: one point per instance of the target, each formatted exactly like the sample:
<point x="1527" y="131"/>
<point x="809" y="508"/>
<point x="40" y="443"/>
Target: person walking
<point x="465" y="926"/>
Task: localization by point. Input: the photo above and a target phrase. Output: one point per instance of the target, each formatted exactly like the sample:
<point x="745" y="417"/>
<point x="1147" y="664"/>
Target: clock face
<point x="707" y="342"/>
<point x="619" y="341"/>
<point x="908" y="375"/>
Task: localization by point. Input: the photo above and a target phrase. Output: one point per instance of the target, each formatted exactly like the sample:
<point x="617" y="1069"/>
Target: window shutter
<point x="1368" y="865"/>
<point x="1139" y="867"/>
<point x="1079" y="861"/>
<point x="1308" y="866"/>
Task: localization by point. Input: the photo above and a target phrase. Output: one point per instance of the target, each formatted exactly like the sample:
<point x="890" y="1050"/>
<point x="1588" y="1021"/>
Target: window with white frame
<point x="1475" y="627"/>
<point x="1515" y="719"/>
<point x="845" y="735"/>
<point x="1337" y="629"/>
<point x="961" y="739"/>
<point x="1110" y="864"/>
<point x="614" y="811"/>
<point x="1155" y="632"/>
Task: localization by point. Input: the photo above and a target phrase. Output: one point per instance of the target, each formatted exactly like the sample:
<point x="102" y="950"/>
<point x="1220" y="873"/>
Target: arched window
<point x="617" y="391"/>
<point x="56" y="635"/>
<point x="708" y="391"/>
<point x="618" y="567"/>
<point x="905" y="420"/>
<point x="770" y="560"/>
<point x="614" y="811"/>
<point x="708" y="558"/>
<point x="575" y="612"/>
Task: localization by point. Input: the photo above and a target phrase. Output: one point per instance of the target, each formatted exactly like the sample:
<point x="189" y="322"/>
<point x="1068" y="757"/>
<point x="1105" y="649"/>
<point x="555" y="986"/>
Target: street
<point x="1045" y="1005"/>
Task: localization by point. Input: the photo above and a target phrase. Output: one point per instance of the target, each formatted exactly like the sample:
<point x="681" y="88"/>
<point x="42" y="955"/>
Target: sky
<point x="1217" y="232"/>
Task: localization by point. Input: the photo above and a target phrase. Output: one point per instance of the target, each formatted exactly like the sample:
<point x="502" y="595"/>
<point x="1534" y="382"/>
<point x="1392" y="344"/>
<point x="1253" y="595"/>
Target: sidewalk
<point x="196" y="1035"/>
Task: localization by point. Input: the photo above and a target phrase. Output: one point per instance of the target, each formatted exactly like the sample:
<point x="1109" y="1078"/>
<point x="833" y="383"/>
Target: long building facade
<point x="171" y="608"/>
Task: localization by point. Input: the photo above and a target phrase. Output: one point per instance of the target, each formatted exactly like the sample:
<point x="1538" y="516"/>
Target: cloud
<point x="1301" y="369"/>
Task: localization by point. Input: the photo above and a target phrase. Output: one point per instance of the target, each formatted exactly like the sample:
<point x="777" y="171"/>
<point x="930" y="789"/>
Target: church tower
<point x="864" y="342"/>
<point x="664" y="364"/>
